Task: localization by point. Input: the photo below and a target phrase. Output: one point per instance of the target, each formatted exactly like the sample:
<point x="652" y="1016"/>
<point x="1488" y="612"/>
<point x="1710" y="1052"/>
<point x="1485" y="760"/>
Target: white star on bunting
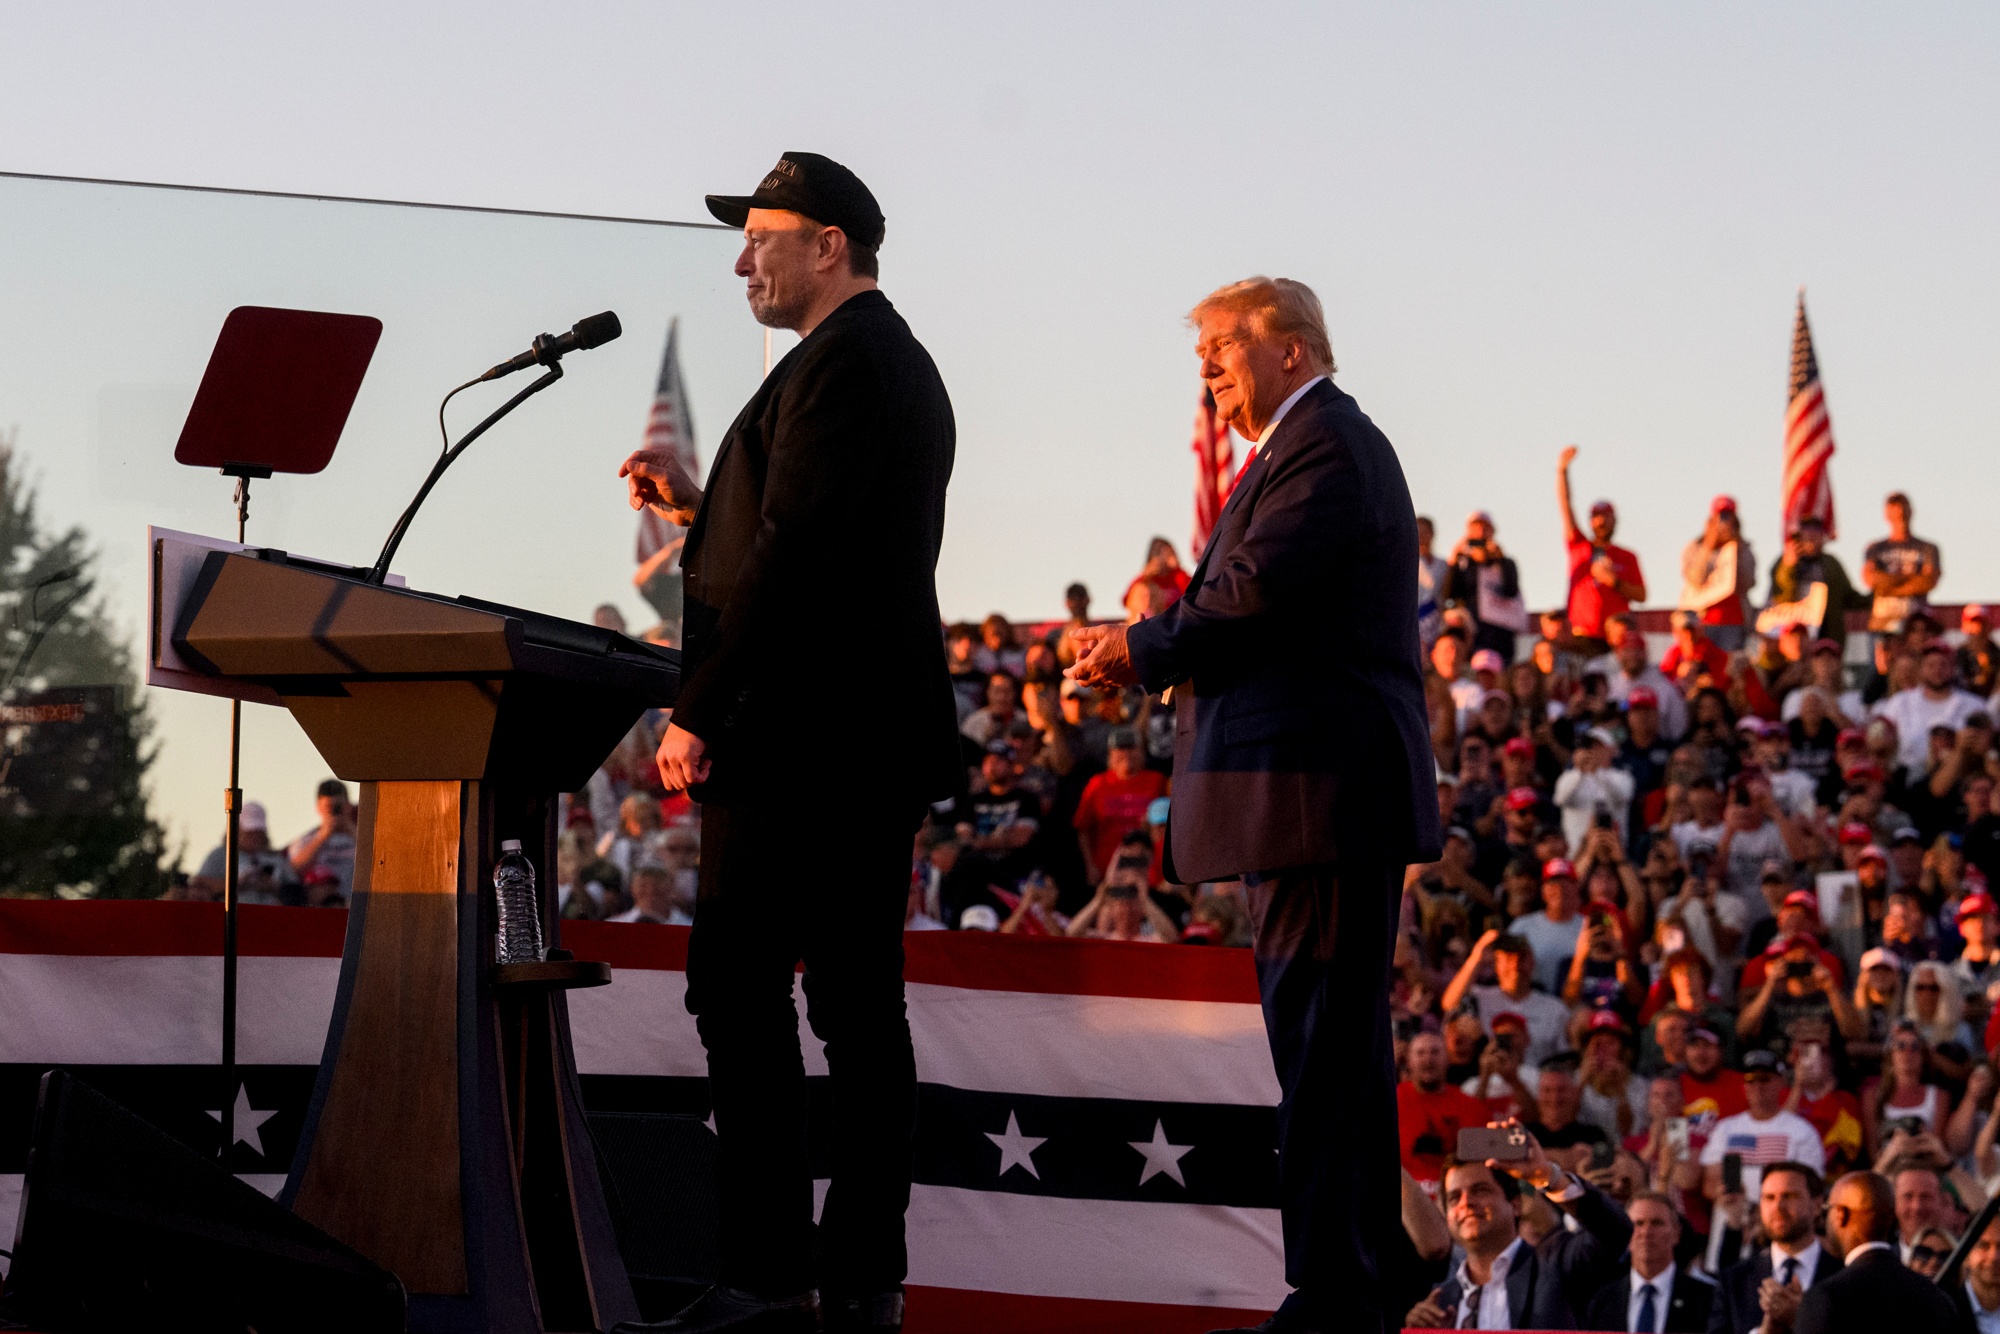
<point x="1016" y="1149"/>
<point x="247" y="1119"/>
<point x="1161" y="1156"/>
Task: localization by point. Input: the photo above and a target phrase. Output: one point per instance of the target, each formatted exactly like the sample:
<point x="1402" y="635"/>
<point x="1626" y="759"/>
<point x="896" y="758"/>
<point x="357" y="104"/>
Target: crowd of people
<point x="1713" y="927"/>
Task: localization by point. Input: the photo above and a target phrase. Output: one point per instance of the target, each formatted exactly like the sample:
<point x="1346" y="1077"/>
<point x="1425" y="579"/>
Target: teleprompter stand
<point x="445" y="1139"/>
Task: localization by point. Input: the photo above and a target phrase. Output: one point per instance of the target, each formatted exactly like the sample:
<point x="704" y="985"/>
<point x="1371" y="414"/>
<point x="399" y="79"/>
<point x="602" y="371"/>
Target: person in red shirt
<point x="1431" y="1112"/>
<point x="1833" y="1111"/>
<point x="1604" y="580"/>
<point x="1159" y="585"/>
<point x="1693" y="653"/>
<point x="1709" y="1089"/>
<point x="1114" y="803"/>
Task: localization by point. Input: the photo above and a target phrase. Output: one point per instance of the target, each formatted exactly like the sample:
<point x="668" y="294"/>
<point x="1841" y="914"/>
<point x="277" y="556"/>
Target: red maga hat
<point x="1558" y="868"/>
<point x="1523" y="799"/>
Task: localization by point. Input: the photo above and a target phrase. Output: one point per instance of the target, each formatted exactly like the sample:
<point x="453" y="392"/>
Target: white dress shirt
<point x="1808" y="1261"/>
<point x="1487" y="1304"/>
<point x="1985" y="1321"/>
<point x="1663" y="1290"/>
<point x="1276" y="417"/>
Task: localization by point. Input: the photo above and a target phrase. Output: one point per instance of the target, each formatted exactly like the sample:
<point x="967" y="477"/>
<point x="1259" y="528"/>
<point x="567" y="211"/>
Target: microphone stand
<point x="380" y="571"/>
<point x="232" y="842"/>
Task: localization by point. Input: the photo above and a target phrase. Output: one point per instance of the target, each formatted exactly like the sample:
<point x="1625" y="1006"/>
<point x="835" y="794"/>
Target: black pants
<point x="780" y="884"/>
<point x="1324" y="936"/>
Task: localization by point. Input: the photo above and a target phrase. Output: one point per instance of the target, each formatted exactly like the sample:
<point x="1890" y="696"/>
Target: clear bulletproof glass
<point x="113" y="297"/>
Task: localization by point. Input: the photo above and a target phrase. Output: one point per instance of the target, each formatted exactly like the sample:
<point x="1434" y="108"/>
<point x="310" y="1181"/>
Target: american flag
<point x="670" y="426"/>
<point x="1214" y="471"/>
<point x="1808" y="435"/>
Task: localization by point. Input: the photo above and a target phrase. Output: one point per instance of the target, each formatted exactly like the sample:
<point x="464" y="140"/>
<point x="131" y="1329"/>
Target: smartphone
<point x="1602" y="1155"/>
<point x="1121" y="892"/>
<point x="1677" y="1137"/>
<point x="1799" y="968"/>
<point x="1909" y="1125"/>
<point x="1506" y="1144"/>
<point x="1133" y="863"/>
<point x="1732" y="1174"/>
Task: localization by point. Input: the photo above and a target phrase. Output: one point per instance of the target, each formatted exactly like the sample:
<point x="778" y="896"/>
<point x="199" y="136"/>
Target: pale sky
<point x="1530" y="224"/>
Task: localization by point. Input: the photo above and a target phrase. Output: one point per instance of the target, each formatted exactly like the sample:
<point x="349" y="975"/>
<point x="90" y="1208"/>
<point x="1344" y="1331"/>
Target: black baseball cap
<point x="816" y="186"/>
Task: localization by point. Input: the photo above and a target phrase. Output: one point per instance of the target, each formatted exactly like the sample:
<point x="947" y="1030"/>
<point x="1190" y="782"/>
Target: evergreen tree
<point x="74" y="730"/>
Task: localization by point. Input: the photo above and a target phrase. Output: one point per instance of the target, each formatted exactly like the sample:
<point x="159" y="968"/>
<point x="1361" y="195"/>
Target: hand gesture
<point x="656" y="477"/>
<point x="1430" y="1314"/>
<point x="1486" y="939"/>
<point x="1103" y="658"/>
<point x="1780" y="1302"/>
<point x="1567" y="457"/>
<point x="1822" y="977"/>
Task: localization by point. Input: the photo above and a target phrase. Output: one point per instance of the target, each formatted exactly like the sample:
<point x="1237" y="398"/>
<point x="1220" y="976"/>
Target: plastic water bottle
<point x="520" y="912"/>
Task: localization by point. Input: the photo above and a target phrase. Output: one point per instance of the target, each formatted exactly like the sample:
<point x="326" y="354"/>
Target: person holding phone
<point x="1123" y="910"/>
<point x="1503" y="1282"/>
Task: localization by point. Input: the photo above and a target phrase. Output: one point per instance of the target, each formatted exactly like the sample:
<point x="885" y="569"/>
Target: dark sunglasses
<point x="1928" y="1254"/>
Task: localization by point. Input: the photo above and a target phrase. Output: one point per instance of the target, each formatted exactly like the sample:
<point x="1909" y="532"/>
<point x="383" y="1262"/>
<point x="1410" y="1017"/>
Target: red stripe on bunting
<point x="150" y="927"/>
<point x="986" y="961"/>
<point x="972" y="959"/>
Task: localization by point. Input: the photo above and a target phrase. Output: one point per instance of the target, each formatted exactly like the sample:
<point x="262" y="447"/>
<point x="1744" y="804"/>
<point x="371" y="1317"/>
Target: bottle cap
<point x="510" y="845"/>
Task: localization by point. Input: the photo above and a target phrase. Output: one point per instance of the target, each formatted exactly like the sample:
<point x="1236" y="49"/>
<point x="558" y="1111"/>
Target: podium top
<point x="395" y="684"/>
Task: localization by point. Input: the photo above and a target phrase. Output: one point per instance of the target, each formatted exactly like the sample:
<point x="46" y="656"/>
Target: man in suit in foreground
<point x="1767" y="1285"/>
<point x="1873" y="1291"/>
<point x="1654" y="1295"/>
<point x="1302" y="763"/>
<point x="844" y="451"/>
<point x="1503" y="1282"/>
<point x="1976" y="1294"/>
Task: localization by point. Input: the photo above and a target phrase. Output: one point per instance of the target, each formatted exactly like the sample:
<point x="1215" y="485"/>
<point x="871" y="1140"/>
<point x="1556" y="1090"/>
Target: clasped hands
<point x="1103" y="658"/>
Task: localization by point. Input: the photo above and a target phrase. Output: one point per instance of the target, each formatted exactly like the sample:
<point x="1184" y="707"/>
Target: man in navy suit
<point x="1302" y="763"/>
<point x="1654" y="1295"/>
<point x="1768" y="1285"/>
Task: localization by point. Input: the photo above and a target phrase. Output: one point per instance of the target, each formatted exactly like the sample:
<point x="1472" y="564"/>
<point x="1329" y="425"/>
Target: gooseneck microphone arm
<point x="380" y="572"/>
<point x="547" y="351"/>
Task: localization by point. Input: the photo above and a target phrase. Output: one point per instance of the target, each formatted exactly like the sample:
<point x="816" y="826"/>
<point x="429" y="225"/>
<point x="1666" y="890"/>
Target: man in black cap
<point x="837" y="466"/>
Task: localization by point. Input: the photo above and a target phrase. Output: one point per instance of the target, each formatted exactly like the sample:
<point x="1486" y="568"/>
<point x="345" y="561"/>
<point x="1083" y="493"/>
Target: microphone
<point x="593" y="331"/>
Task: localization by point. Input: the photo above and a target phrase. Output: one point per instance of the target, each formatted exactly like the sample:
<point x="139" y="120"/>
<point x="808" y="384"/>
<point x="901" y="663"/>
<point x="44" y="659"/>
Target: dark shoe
<point x="726" y="1309"/>
<point x="879" y="1314"/>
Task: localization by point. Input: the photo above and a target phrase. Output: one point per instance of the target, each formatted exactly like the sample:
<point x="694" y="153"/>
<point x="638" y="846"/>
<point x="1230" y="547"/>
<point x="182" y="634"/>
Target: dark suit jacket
<point x="1874" y="1294"/>
<point x="1687" y="1305"/>
<point x="811" y="602"/>
<point x="1553" y="1286"/>
<point x="1736" y="1309"/>
<point x="1299" y="704"/>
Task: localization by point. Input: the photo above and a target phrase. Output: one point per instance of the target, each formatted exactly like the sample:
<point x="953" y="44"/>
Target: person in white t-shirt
<point x="1546" y="1017"/>
<point x="1771" y="745"/>
<point x="1592" y="787"/>
<point x="1765" y="1134"/>
<point x="1933" y="702"/>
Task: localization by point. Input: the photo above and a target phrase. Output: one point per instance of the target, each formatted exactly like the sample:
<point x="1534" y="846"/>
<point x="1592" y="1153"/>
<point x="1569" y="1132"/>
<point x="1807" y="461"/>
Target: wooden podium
<point x="445" y="1139"/>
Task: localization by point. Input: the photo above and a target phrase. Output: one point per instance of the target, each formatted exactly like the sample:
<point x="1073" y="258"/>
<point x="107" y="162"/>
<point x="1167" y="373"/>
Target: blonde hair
<point x="1951" y="1003"/>
<point x="1277" y="308"/>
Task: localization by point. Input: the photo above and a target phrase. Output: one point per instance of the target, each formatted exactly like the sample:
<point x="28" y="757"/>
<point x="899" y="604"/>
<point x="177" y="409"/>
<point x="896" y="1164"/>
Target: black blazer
<point x="1873" y="1294"/>
<point x="1687" y="1305"/>
<point x="1736" y="1309"/>
<point x="1554" y="1286"/>
<point x="1299" y="709"/>
<point x="811" y="601"/>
